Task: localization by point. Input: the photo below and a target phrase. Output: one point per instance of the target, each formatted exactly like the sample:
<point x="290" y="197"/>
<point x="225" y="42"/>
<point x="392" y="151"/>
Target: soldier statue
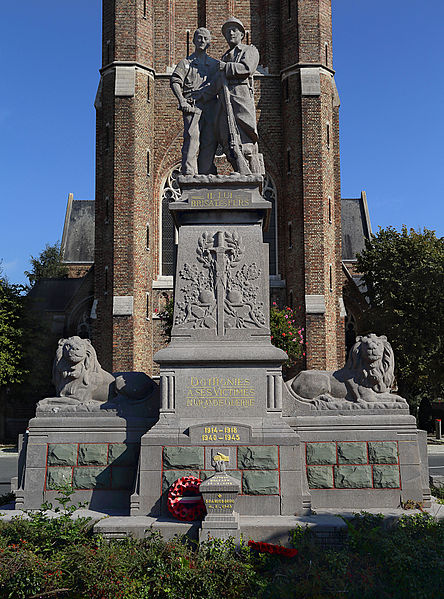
<point x="217" y="102"/>
<point x="236" y="122"/>
<point x="191" y="84"/>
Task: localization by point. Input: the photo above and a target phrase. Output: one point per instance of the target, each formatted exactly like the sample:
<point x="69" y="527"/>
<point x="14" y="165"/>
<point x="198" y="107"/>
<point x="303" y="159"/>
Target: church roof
<point x="53" y="295"/>
<point x="356" y="226"/>
<point x="78" y="231"/>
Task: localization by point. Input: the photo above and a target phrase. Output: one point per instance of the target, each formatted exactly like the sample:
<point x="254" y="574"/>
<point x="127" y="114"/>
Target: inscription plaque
<point x="219" y="434"/>
<point x="220" y="392"/>
<point x="220" y="199"/>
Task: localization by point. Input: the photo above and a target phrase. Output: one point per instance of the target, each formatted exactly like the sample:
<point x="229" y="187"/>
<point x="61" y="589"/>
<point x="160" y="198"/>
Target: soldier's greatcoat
<point x="242" y="62"/>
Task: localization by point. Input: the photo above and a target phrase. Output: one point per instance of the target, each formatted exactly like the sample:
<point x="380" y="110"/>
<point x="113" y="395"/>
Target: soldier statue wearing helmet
<point x="237" y="67"/>
<point x="217" y="102"/>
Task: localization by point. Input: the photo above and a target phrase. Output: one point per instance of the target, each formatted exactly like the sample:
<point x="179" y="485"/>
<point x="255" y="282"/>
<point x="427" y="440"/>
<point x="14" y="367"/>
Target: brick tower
<point x="138" y="149"/>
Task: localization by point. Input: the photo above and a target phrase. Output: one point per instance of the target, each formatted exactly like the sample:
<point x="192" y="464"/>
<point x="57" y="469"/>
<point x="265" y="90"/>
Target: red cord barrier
<point x="184" y="501"/>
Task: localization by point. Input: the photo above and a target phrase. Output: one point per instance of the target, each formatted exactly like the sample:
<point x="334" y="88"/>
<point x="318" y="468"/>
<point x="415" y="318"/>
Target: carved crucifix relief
<point x="218" y="293"/>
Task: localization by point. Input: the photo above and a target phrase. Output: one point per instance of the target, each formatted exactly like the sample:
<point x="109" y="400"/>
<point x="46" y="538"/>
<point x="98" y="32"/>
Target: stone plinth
<point x="96" y="453"/>
<point x="219" y="493"/>
<point x="363" y="461"/>
<point x="221" y="378"/>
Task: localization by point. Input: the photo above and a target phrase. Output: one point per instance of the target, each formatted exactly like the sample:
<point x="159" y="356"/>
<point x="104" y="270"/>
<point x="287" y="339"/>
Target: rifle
<point x="234" y="140"/>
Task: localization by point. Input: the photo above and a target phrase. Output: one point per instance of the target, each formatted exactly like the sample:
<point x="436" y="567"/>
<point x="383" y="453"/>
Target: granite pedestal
<point x="221" y="378"/>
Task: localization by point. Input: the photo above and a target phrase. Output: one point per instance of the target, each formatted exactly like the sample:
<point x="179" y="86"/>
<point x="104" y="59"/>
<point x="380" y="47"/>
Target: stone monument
<point x="219" y="493"/>
<point x="221" y="378"/>
<point x="339" y="439"/>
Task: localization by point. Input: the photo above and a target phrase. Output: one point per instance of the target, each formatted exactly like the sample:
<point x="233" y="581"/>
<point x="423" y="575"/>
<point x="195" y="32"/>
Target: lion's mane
<point x="378" y="375"/>
<point x="83" y="380"/>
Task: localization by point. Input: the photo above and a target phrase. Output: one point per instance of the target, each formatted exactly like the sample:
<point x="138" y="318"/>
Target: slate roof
<point x="53" y="295"/>
<point x="356" y="226"/>
<point x="78" y="231"/>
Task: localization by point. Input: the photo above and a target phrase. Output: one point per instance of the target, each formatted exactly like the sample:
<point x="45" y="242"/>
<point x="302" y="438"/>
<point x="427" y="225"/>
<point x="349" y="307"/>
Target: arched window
<point x="270" y="237"/>
<point x="170" y="193"/>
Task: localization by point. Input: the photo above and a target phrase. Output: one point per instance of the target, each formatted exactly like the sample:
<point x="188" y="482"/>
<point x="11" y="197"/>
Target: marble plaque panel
<point x="206" y="198"/>
<point x="219" y="393"/>
<point x="220" y="433"/>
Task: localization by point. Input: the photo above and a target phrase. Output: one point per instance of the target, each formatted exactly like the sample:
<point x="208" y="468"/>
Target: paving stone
<point x="93" y="454"/>
<point x="386" y="477"/>
<point x="62" y="454"/>
<point x="259" y="457"/>
<point x="183" y="457"/>
<point x="383" y="452"/>
<point x="321" y="453"/>
<point x="92" y="477"/>
<point x="58" y="477"/>
<point x="320" y="477"/>
<point x="123" y="454"/>
<point x="260" y="482"/>
<point x="352" y="453"/>
<point x="170" y="476"/>
<point x="122" y="477"/>
<point x="204" y="474"/>
<point x="353" y="477"/>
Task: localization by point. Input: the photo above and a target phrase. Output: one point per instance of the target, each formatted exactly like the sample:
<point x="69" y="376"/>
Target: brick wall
<point x="153" y="35"/>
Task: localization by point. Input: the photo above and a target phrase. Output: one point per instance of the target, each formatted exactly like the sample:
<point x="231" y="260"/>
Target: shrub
<point x="374" y="561"/>
<point x="285" y="334"/>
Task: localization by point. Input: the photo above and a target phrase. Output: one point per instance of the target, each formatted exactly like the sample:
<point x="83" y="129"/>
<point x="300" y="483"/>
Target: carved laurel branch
<point x="233" y="241"/>
<point x="204" y="244"/>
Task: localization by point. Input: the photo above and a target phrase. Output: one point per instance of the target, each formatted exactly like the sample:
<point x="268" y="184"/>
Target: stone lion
<point x="368" y="376"/>
<point x="77" y="373"/>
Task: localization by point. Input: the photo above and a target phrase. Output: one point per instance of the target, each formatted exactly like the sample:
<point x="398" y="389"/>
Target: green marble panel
<point x="183" y="457"/>
<point x="123" y="454"/>
<point x="386" y="477"/>
<point x="321" y="453"/>
<point x="122" y="477"/>
<point x="352" y="453"/>
<point x="92" y="477"/>
<point x="170" y="476"/>
<point x="260" y="482"/>
<point x="93" y="454"/>
<point x="58" y="477"/>
<point x="62" y="454"/>
<point x="320" y="477"/>
<point x="383" y="452"/>
<point x="258" y="457"/>
<point x="353" y="477"/>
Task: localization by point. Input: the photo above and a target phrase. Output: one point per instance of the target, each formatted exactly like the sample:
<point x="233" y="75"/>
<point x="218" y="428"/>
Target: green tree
<point x="404" y="274"/>
<point x="12" y="332"/>
<point x="48" y="264"/>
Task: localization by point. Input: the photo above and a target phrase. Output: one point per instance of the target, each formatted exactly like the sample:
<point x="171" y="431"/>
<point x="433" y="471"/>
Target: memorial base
<point x="95" y="453"/>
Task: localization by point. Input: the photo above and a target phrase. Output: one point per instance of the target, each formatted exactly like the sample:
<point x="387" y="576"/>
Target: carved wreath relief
<point x="218" y="292"/>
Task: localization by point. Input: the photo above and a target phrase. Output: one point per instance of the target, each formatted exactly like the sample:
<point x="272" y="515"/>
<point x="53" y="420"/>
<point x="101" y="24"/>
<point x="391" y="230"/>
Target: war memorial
<point x="222" y="446"/>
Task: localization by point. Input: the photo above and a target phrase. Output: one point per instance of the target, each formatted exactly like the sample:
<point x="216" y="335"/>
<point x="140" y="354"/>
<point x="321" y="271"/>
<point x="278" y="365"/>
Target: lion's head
<point x="77" y="372"/>
<point x="372" y="361"/>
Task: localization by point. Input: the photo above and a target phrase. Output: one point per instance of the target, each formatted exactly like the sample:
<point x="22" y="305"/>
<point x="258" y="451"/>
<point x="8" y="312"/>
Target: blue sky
<point x="386" y="55"/>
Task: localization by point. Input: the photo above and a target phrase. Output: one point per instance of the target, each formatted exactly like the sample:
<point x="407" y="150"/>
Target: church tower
<point x="138" y="150"/>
